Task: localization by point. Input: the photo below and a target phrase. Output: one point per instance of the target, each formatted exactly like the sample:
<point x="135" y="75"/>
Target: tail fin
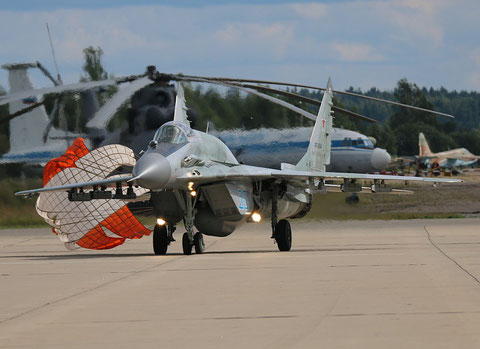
<point x="26" y="131"/>
<point x="318" y="153"/>
<point x="180" y="107"/>
<point x="424" y="149"/>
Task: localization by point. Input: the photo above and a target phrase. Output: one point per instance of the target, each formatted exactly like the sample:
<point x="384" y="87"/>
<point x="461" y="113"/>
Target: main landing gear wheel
<point x="160" y="239"/>
<point x="198" y="243"/>
<point x="186" y="244"/>
<point x="283" y="235"/>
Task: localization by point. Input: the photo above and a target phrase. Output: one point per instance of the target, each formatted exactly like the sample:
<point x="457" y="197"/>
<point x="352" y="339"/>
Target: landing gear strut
<point x="190" y="239"/>
<point x="281" y="231"/>
<point x="162" y="236"/>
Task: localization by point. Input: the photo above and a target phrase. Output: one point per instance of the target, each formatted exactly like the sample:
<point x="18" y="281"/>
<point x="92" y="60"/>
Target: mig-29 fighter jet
<point x="187" y="175"/>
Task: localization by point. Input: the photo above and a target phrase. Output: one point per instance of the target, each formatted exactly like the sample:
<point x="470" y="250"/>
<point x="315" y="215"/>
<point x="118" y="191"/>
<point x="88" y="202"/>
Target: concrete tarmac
<point x="356" y="284"/>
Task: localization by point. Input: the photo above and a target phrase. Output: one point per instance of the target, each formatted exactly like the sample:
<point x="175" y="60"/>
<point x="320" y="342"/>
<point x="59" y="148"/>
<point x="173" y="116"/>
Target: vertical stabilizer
<point x="424" y="149"/>
<point x="318" y="153"/>
<point x="181" y="107"/>
<point x="26" y="131"/>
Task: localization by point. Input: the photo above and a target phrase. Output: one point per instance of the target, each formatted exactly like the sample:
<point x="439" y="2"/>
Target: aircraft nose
<point x="152" y="171"/>
<point x="380" y="158"/>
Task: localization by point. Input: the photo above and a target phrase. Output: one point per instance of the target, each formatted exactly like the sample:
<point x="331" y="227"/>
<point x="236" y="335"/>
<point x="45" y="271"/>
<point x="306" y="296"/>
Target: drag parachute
<point x="94" y="224"/>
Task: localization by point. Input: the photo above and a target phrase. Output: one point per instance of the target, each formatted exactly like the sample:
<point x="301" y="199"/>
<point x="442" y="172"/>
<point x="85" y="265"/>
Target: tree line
<point x="397" y="128"/>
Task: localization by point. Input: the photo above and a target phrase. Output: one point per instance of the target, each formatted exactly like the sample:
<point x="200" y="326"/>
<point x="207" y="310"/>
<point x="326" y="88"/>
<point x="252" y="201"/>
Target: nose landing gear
<point x="197" y="242"/>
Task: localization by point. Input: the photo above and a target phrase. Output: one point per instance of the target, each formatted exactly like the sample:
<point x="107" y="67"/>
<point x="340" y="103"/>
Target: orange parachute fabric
<point x="76" y="222"/>
<point x="72" y="154"/>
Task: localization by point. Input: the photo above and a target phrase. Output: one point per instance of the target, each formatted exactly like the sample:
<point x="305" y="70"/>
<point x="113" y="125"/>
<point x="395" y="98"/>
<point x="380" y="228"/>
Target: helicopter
<point x="152" y="105"/>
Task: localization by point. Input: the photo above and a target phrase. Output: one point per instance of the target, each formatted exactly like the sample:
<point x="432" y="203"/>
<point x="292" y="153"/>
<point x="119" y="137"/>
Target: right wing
<point x="79" y="185"/>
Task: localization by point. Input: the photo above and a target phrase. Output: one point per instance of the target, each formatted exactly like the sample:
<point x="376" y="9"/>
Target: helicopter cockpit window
<point x="170" y="134"/>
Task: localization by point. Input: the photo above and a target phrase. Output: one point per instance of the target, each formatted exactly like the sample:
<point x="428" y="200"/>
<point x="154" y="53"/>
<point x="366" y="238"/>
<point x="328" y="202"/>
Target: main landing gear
<point x="162" y="236"/>
<point x="283" y="235"/>
<point x="281" y="231"/>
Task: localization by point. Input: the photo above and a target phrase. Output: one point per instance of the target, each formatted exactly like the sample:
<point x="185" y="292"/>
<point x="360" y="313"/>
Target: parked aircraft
<point x="187" y="175"/>
<point x="446" y="159"/>
<point x="351" y="151"/>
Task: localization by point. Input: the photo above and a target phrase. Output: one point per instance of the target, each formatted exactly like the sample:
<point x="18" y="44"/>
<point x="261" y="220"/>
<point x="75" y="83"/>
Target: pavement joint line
<point x="87" y="290"/>
<point x="407" y="313"/>
<point x="16" y="243"/>
<point x="446" y="255"/>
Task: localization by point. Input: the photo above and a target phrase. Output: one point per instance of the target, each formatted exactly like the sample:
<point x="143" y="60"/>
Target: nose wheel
<point x="198" y="243"/>
<point x="188" y="243"/>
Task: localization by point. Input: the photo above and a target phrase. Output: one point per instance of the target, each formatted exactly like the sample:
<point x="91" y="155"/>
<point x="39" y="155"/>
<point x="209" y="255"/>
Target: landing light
<point x="190" y="186"/>
<point x="193" y="193"/>
<point x="160" y="221"/>
<point x="256" y="217"/>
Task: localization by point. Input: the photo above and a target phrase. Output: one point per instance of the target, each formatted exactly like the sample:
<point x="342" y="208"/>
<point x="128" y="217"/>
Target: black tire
<point x="352" y="199"/>
<point x="198" y="243"/>
<point x="283" y="235"/>
<point x="186" y="244"/>
<point x="160" y="240"/>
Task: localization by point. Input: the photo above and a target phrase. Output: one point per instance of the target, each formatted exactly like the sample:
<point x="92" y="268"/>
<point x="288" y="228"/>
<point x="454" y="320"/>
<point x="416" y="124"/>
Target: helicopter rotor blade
<point x="77" y="87"/>
<point x="230" y="80"/>
<point x="307" y="100"/>
<point x="353" y="114"/>
<point x="259" y="94"/>
<point x="21" y="111"/>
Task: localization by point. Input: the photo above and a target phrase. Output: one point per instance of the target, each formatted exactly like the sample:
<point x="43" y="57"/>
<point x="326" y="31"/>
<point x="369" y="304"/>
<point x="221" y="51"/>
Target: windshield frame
<point x="170" y="134"/>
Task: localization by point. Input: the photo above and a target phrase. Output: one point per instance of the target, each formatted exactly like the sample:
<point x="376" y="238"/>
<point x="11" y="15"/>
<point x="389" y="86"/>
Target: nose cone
<point x="380" y="158"/>
<point x="153" y="171"/>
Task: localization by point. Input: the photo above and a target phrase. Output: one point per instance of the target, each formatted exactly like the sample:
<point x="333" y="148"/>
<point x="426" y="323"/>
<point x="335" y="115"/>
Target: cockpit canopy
<point x="170" y="133"/>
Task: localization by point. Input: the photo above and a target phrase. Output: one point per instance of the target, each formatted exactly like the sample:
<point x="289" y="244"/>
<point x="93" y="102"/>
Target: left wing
<point x="292" y="174"/>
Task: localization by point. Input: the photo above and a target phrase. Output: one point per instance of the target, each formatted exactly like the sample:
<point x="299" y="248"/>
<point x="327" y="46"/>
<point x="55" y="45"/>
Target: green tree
<point x="411" y="94"/>
<point x="92" y="67"/>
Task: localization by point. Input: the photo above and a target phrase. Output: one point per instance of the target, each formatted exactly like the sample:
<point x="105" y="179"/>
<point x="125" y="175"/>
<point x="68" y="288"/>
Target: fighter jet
<point x="445" y="159"/>
<point x="190" y="176"/>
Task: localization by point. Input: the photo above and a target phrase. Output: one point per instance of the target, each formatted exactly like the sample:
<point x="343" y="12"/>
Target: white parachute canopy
<point x="94" y="224"/>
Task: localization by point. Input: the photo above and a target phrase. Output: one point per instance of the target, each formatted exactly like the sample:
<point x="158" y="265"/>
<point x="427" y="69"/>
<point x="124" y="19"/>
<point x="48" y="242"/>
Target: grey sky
<point x="357" y="43"/>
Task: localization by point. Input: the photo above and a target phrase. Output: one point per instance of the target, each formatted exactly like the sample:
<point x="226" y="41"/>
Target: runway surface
<point x="358" y="284"/>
